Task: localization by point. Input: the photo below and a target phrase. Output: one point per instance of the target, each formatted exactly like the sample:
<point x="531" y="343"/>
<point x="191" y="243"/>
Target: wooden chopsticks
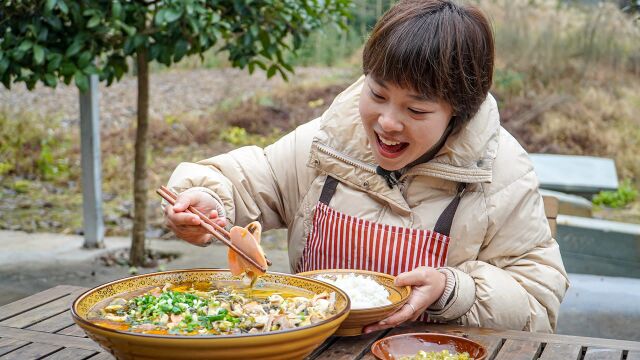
<point x="214" y="229"/>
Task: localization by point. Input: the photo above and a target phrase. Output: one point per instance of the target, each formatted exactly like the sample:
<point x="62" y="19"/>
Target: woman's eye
<point x="418" y="112"/>
<point x="377" y="96"/>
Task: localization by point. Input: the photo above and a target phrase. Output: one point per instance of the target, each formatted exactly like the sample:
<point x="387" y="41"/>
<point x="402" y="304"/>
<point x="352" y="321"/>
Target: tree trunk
<point x="137" y="255"/>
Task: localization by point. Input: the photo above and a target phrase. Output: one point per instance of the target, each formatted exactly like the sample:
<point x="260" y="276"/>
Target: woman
<point x="409" y="173"/>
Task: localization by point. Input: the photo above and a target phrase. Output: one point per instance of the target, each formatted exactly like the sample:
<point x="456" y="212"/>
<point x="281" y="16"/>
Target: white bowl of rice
<point x="373" y="296"/>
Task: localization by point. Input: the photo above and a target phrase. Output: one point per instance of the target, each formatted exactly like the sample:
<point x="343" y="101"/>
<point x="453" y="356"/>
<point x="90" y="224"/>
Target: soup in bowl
<point x="208" y="313"/>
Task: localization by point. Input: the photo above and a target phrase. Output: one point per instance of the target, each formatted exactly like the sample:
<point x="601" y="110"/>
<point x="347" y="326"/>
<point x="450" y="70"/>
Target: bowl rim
<point x="402" y="300"/>
<point x="76" y="317"/>
<point x="375" y="345"/>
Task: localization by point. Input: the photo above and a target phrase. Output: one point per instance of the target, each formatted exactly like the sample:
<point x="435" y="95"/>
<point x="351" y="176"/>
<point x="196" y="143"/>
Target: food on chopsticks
<point x="247" y="239"/>
<point x="363" y="291"/>
<point x="438" y="355"/>
<point x="199" y="309"/>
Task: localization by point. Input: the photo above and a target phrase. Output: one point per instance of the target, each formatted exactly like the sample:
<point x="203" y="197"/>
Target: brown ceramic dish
<point x="397" y="346"/>
<point x="358" y="318"/>
<point x="284" y="344"/>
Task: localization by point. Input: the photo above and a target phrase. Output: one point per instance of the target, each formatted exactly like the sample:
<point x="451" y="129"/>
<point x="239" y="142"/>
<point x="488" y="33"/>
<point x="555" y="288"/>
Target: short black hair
<point x="436" y="48"/>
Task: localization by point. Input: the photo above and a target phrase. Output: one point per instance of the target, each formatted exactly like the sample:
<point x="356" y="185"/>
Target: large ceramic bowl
<point x="284" y="344"/>
<point x="358" y="318"/>
<point x="398" y="346"/>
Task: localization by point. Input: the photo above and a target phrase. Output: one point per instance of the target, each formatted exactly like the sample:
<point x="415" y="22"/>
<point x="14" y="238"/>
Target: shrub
<point x="625" y="194"/>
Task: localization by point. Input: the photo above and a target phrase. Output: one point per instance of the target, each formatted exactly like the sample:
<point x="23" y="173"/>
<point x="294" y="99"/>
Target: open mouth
<point x="390" y="148"/>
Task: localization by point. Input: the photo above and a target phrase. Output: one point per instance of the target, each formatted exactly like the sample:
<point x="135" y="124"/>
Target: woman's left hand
<point x="427" y="287"/>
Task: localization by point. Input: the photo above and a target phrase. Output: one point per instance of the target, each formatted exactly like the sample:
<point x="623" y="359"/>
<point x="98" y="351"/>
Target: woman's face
<point x="400" y="124"/>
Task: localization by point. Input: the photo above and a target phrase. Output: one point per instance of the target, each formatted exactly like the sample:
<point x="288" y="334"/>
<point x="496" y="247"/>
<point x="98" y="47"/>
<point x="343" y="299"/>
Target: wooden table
<point x="40" y="327"/>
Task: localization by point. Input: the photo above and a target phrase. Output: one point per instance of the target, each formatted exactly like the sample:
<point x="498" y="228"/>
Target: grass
<point x="41" y="191"/>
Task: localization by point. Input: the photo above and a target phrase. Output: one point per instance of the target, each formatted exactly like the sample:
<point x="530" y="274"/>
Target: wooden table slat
<point x="70" y="353"/>
<point x="46" y="338"/>
<point x="561" y="352"/>
<point x="492" y="343"/>
<point x="633" y="355"/>
<point x="348" y="348"/>
<point x="603" y="354"/>
<point x="42" y="312"/>
<point x="518" y="350"/>
<point x="103" y="356"/>
<point x="539" y="337"/>
<point x="54" y="324"/>
<point x="322" y="347"/>
<point x="9" y="345"/>
<point x="31" y="351"/>
<point x="73" y="330"/>
<point x="35" y="300"/>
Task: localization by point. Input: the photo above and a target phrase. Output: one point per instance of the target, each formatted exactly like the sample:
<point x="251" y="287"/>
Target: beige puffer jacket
<point x="508" y="269"/>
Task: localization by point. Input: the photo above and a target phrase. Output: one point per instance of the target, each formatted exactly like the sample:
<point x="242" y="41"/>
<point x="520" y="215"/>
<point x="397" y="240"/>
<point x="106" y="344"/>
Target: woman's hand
<point x="427" y="287"/>
<point x="186" y="225"/>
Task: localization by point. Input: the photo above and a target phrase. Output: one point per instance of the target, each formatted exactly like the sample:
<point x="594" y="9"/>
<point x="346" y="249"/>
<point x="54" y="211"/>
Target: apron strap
<point x="443" y="225"/>
<point x="328" y="189"/>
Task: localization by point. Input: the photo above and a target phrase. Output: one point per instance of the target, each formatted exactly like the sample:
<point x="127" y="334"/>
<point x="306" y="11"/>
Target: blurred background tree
<point x="43" y="41"/>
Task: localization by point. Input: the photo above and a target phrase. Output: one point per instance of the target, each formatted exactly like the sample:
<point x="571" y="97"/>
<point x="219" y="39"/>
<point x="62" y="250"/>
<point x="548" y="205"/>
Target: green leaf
<point x="84" y="59"/>
<point x="287" y="66"/>
<point x="130" y="30"/>
<point x="91" y="70"/>
<point x="93" y="22"/>
<point x="172" y="15"/>
<point x="283" y="74"/>
<point x="180" y="49"/>
<point x="38" y="54"/>
<point x="55" y="22"/>
<point x="25" y="46"/>
<point x="63" y="6"/>
<point x="42" y="35"/>
<point x="75" y="47"/>
<point x="67" y="68"/>
<point x="159" y="18"/>
<point x="54" y="61"/>
<point x="272" y="71"/>
<point x="82" y="81"/>
<point x="128" y="46"/>
<point x="264" y="39"/>
<point x="50" y="80"/>
<point x="6" y="81"/>
<point x="116" y="9"/>
<point x="4" y="65"/>
<point x="154" y="51"/>
<point x="139" y="40"/>
<point x="50" y="4"/>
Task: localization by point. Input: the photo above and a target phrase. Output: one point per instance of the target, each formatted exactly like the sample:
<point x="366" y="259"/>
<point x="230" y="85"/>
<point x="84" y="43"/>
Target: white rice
<point x="363" y="291"/>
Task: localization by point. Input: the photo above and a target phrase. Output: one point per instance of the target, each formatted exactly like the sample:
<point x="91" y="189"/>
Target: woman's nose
<point x="390" y="123"/>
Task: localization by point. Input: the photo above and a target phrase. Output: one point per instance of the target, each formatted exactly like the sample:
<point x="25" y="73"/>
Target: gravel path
<point x="172" y="92"/>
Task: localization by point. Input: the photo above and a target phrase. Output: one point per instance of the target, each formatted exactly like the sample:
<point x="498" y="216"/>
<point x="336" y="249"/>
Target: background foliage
<point x="43" y="41"/>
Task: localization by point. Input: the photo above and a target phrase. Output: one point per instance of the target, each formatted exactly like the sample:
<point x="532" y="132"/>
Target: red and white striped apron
<point x="341" y="241"/>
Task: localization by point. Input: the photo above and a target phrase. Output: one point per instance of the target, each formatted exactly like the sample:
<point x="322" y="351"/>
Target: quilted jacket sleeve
<point x="518" y="279"/>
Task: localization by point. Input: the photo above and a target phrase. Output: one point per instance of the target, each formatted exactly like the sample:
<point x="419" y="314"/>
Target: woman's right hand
<point x="186" y="225"/>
